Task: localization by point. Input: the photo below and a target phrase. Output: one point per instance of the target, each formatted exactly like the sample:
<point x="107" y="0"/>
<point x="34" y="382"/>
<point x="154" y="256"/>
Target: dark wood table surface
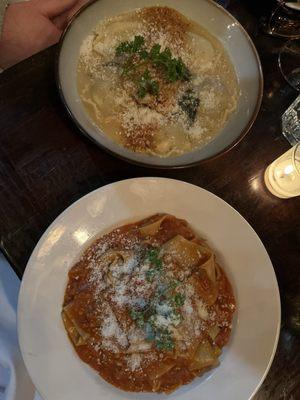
<point x="46" y="164"/>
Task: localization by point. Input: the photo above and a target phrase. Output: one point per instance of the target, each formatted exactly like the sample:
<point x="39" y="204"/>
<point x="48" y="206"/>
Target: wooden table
<point x="46" y="164"/>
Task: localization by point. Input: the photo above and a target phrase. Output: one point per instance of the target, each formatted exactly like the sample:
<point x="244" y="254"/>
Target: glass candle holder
<point x="282" y="177"/>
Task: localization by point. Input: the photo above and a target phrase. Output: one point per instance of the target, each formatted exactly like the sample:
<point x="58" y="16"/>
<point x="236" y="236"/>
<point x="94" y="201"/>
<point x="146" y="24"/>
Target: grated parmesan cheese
<point x="111" y="329"/>
<point x="134" y="361"/>
<point x="187" y="307"/>
<point x="159" y="125"/>
<point x="125" y="268"/>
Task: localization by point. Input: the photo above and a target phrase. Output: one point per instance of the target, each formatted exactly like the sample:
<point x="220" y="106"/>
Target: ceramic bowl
<point x="57" y="371"/>
<point x="208" y="14"/>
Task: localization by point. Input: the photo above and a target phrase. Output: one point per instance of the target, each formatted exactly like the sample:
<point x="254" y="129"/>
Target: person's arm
<point x="3" y="5"/>
<point x="31" y="26"/>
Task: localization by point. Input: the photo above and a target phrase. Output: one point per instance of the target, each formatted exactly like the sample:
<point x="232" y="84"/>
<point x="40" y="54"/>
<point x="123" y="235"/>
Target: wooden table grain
<point x="46" y="164"/>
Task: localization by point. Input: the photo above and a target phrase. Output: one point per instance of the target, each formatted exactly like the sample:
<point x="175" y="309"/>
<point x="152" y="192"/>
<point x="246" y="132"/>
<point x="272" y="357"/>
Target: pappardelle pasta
<point x="148" y="307"/>
<point x="156" y="82"/>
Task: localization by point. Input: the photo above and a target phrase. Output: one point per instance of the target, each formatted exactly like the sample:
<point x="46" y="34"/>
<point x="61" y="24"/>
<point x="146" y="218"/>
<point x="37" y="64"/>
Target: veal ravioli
<point x="156" y="82"/>
<point x="148" y="307"/>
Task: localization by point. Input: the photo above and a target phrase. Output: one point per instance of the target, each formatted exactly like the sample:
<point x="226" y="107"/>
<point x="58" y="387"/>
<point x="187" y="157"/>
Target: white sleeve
<point x="14" y="379"/>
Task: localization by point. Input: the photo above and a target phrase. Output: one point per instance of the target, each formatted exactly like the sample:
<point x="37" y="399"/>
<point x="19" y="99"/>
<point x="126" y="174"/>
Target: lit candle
<point x="282" y="177"/>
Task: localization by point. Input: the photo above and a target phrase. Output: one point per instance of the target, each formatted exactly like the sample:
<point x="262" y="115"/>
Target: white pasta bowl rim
<point x="46" y="350"/>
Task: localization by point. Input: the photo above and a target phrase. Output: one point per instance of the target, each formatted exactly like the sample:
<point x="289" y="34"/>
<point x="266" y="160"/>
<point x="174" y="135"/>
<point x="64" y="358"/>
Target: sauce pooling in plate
<point x="156" y="82"/>
<point x="148" y="307"/>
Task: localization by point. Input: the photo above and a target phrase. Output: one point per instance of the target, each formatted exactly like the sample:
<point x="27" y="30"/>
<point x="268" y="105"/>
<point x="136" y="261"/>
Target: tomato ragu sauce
<point x="148" y="307"/>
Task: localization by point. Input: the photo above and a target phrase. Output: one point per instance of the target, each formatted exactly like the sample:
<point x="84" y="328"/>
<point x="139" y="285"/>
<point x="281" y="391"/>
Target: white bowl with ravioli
<point x="127" y="135"/>
<point x="54" y="366"/>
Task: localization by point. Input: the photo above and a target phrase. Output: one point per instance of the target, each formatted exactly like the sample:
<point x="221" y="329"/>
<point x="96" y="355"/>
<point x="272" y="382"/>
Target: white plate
<point x="217" y="21"/>
<point x="57" y="371"/>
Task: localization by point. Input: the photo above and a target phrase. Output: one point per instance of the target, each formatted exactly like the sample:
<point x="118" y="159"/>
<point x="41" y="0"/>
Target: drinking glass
<point x="289" y="62"/>
<point x="282" y="177"/>
<point x="284" y="20"/>
<point x="291" y="122"/>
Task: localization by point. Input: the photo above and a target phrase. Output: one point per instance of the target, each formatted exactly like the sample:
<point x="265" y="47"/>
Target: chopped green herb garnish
<point x="161" y="312"/>
<point x="150" y="274"/>
<point x="174" y="69"/>
<point x="179" y="299"/>
<point x="143" y="54"/>
<point x="164" y="340"/>
<point x="174" y="284"/>
<point x="137" y="43"/>
<point x="152" y="256"/>
<point x="136" y="57"/>
<point x="122" y="48"/>
<point x="130" y="47"/>
<point x="147" y="85"/>
<point x="128" y="68"/>
<point x="189" y="103"/>
<point x="138" y="317"/>
<point x="182" y="70"/>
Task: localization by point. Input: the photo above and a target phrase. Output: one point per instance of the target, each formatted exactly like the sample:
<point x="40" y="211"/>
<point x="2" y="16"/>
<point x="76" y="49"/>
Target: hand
<point x="32" y="26"/>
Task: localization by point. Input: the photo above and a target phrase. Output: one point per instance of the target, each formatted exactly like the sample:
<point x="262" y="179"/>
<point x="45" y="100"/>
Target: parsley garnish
<point x="164" y="340"/>
<point x="152" y="256"/>
<point x="174" y="69"/>
<point x="150" y="274"/>
<point x="156" y="262"/>
<point x="174" y="284"/>
<point x="131" y="47"/>
<point x="179" y="299"/>
<point x="147" y="85"/>
<point x="161" y="311"/>
<point x="136" y="57"/>
<point x="138" y="317"/>
<point x="147" y="319"/>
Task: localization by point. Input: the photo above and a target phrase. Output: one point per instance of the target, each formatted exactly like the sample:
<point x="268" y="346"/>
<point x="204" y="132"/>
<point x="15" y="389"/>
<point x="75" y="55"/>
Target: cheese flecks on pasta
<point x="147" y="305"/>
<point x="179" y="115"/>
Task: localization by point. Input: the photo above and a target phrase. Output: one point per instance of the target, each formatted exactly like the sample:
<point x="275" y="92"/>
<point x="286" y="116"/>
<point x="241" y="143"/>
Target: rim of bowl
<point x="243" y="133"/>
